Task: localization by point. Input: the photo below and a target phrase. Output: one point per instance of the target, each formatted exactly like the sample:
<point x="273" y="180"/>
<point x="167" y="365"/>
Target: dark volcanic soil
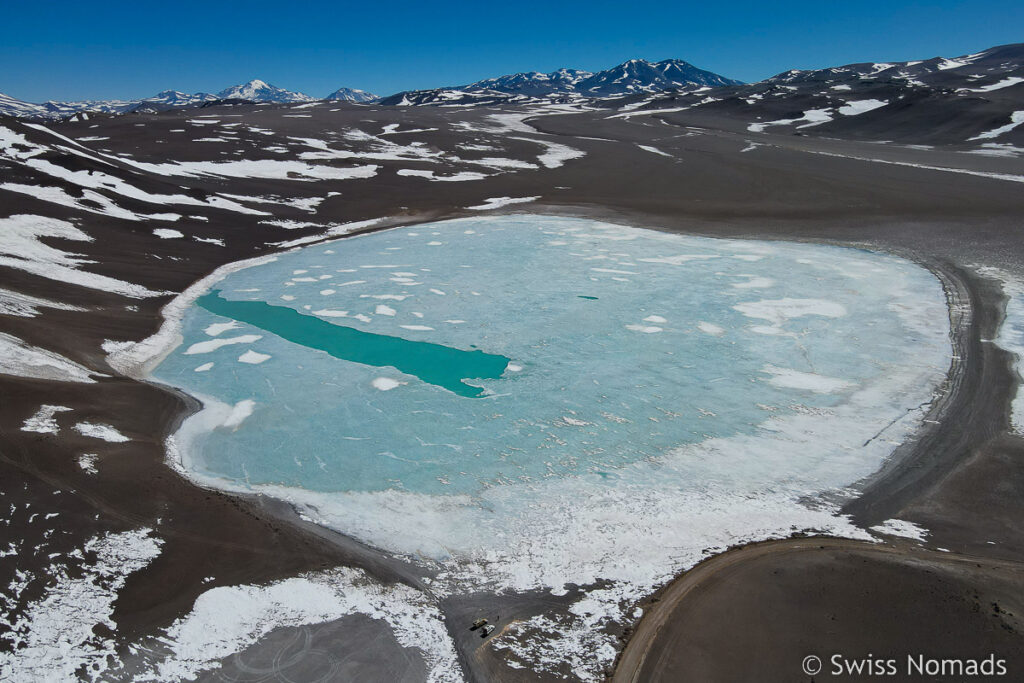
<point x="766" y="612"/>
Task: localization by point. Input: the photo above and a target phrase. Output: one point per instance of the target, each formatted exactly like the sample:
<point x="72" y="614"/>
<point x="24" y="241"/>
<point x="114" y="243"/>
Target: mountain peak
<point x="352" y="95"/>
<point x="258" y="90"/>
<point x="639" y="75"/>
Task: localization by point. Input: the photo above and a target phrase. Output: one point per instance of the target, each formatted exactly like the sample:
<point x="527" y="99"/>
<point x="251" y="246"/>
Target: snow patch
<point x="44" y="421"/>
<point x="22" y="360"/>
<point x="497" y="202"/>
<point x="64" y="631"/>
<point x="899" y="527"/>
<point x="228" y="619"/>
<point x="100" y="431"/>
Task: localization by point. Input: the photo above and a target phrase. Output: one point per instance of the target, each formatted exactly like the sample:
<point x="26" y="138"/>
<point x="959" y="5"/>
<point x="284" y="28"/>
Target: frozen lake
<point x="545" y="393"/>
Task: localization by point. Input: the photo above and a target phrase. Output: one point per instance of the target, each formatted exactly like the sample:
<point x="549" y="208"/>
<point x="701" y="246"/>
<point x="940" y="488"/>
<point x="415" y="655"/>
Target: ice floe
<point x="711" y="328"/>
<point x="253" y="358"/>
<point x="385" y="383"/>
<point x="214" y="344"/>
<point x="807" y="381"/>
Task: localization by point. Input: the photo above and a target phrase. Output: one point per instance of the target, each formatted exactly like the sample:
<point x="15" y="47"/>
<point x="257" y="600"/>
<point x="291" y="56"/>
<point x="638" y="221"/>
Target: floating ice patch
<point x="385" y="383"/>
<point x="806" y="381"/>
<point x="710" y="328"/>
<point x="253" y="358"/>
<point x="214" y="344"/>
<point x="214" y="329"/>
<point x="779" y="311"/>
<point x="238" y="413"/>
<point x="754" y="282"/>
<point x="679" y="259"/>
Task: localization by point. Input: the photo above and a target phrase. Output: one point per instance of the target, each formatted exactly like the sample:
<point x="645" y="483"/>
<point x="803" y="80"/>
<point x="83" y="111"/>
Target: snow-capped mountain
<point x="628" y="78"/>
<point x="532" y="83"/>
<point x="639" y="75"/>
<point x="15" y="107"/>
<point x="172" y="99"/>
<point x="261" y="91"/>
<point x="935" y="71"/>
<point x="162" y="101"/>
<point x="352" y="95"/>
<point x="253" y="91"/>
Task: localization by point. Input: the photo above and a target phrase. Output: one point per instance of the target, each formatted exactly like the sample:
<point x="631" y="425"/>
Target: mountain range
<point x="253" y="91"/>
<point x="953" y="96"/>
<point x="631" y="77"/>
<point x="976" y="98"/>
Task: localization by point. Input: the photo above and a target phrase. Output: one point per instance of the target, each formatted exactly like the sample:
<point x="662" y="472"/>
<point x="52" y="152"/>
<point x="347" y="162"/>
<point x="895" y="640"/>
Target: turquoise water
<point x="435" y="364"/>
<point x="455" y="359"/>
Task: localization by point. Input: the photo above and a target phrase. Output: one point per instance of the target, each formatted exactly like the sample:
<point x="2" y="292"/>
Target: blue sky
<point x="83" y="50"/>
